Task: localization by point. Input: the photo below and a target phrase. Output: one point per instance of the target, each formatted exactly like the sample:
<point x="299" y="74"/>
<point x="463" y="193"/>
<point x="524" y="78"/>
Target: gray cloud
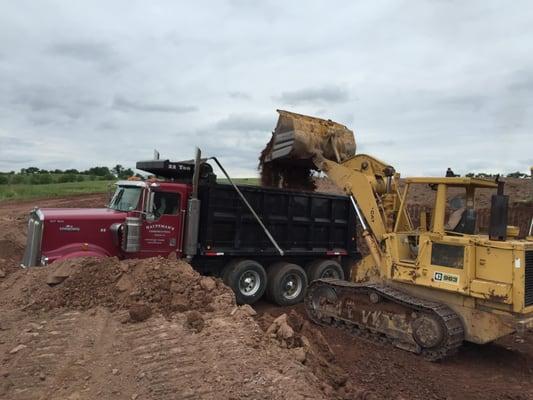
<point x="54" y="100"/>
<point x="521" y="83"/>
<point x="240" y="95"/>
<point x="82" y="50"/>
<point x="246" y="122"/>
<point x="99" y="53"/>
<point x="325" y="94"/>
<point x="123" y="104"/>
<point x="464" y="102"/>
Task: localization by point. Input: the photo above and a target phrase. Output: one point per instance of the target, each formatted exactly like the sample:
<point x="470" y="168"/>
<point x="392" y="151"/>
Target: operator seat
<point x="463" y="218"/>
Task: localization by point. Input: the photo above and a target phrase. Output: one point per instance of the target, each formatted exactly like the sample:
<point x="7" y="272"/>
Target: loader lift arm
<point x="373" y="186"/>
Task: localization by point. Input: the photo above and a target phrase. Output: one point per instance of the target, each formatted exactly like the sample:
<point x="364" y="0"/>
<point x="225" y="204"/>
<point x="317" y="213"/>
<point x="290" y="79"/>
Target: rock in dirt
<point x="273" y="328"/>
<point x="285" y="332"/>
<point x="17" y="349"/>
<point x="281" y="328"/>
<point x="2" y="273"/>
<point x="60" y="270"/>
<point x="208" y="284"/>
<point x="179" y="303"/>
<point x="125" y="283"/>
<point x="140" y="312"/>
<point x="244" y="310"/>
<point x="300" y="354"/>
<point x="195" y="321"/>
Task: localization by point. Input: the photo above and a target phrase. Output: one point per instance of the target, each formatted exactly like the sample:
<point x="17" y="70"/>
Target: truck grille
<point x="32" y="253"/>
<point x="529" y="278"/>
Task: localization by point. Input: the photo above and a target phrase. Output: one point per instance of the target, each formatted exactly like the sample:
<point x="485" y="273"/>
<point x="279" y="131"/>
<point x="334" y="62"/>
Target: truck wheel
<point x="319" y="269"/>
<point x="286" y="283"/>
<point x="247" y="279"/>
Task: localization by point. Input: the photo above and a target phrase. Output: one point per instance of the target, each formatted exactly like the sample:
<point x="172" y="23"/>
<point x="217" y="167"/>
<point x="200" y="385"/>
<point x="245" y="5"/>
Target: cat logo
<point x="447" y="278"/>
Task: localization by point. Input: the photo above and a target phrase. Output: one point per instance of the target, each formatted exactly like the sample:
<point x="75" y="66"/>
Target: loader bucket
<point x="298" y="138"/>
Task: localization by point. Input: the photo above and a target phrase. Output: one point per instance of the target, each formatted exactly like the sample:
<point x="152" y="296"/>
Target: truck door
<point x="163" y="234"/>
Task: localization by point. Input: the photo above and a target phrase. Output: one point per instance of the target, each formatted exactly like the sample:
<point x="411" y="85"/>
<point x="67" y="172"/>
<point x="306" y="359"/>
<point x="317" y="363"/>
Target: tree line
<point x="38" y="176"/>
<point x="516" y="174"/>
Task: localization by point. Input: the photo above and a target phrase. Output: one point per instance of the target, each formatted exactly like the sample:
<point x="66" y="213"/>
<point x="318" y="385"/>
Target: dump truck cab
<point x="156" y="217"/>
<point x="153" y="212"/>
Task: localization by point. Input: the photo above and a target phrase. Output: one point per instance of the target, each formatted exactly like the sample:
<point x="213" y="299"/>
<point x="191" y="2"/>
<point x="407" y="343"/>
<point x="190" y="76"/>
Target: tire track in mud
<point x="220" y="362"/>
<point x="172" y="362"/>
<point x="51" y="349"/>
<point x="163" y="359"/>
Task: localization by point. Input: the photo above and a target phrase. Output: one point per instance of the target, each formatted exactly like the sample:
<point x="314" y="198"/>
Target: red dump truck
<point x="259" y="240"/>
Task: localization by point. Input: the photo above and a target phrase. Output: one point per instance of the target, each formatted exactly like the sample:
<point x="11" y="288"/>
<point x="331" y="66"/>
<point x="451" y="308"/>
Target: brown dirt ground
<point x="145" y="329"/>
<point x="77" y="340"/>
<point x="501" y="370"/>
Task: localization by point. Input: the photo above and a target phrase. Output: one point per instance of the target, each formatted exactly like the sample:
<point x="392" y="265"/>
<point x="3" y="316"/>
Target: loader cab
<point x="452" y="218"/>
<point x="453" y="210"/>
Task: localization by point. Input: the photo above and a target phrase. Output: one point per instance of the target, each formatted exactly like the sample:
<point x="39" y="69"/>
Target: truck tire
<point x="319" y="269"/>
<point x="287" y="284"/>
<point x="247" y="279"/>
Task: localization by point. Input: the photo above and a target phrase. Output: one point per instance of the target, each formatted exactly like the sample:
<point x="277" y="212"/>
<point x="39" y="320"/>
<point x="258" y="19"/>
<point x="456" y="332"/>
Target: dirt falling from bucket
<point x="284" y="174"/>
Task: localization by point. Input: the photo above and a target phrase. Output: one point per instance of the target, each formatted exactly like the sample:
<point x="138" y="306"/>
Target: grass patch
<point x="28" y="191"/>
<point x="241" y="181"/>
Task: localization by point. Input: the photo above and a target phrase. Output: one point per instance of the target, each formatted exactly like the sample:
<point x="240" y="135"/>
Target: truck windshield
<point x="125" y="198"/>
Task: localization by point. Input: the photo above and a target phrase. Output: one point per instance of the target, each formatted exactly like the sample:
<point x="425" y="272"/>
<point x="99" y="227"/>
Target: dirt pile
<point x="10" y="255"/>
<point x="183" y="337"/>
<point x="164" y="285"/>
<point x="306" y="342"/>
<point x="12" y="242"/>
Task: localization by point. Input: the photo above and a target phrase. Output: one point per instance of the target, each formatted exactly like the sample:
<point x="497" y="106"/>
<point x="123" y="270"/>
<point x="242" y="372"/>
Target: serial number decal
<point x="445" y="277"/>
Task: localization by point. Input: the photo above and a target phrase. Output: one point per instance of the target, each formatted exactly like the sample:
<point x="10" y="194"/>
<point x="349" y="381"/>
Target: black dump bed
<point x="303" y="223"/>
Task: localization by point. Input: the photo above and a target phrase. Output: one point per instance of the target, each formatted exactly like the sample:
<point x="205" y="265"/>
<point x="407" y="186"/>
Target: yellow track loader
<point x="424" y="288"/>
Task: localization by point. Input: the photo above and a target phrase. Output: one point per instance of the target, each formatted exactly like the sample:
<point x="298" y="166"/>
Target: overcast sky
<point x="425" y="85"/>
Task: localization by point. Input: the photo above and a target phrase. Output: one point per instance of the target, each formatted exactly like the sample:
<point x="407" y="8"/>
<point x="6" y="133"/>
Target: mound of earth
<point x="149" y="329"/>
<point x="163" y="285"/>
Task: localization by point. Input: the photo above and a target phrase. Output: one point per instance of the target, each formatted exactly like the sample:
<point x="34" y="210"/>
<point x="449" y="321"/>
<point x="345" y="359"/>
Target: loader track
<point x="332" y="302"/>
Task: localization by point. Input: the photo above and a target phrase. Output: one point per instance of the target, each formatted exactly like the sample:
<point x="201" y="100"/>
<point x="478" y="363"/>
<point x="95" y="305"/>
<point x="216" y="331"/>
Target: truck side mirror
<point x="150" y="216"/>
